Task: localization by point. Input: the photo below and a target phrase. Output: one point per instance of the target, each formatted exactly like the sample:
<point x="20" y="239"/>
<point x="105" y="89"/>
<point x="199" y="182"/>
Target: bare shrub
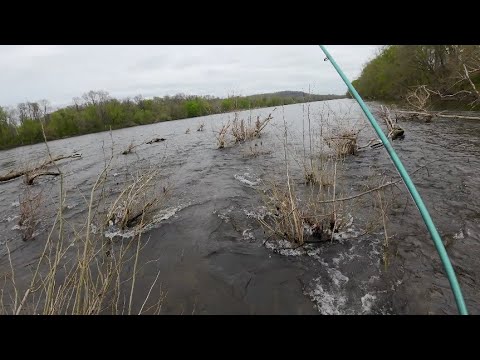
<point x="129" y="149"/>
<point x="222" y="135"/>
<point x="255" y="150"/>
<point x="135" y="201"/>
<point x="241" y="130"/>
<point x="29" y="207"/>
<point x="344" y="143"/>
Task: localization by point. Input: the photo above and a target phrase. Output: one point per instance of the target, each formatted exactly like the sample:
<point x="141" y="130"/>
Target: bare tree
<point x="45" y="108"/>
<point x="77" y="102"/>
<point x="90" y="98"/>
<point x="138" y="99"/>
<point x="34" y="110"/>
<point x="458" y="64"/>
<point x="22" y="112"/>
<point x="103" y="96"/>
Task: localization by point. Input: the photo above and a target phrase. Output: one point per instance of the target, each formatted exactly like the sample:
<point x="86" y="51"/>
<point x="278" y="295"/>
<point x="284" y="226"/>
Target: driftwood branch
<point x="394" y="131"/>
<point x="29" y="178"/>
<point x="132" y="147"/>
<point x="360" y="194"/>
<point x="37" y="170"/>
<point x="372" y="143"/>
<point x="439" y="115"/>
<point x="419" y="98"/>
<point x="467" y="76"/>
<point x="378" y="187"/>
<point x="155" y="140"/>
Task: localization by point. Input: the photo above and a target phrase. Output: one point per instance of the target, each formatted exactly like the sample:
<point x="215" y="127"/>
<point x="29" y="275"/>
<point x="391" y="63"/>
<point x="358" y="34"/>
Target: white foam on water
<point x="327" y="303"/>
<point x="71" y="206"/>
<point x="283" y="247"/>
<point x="367" y="302"/>
<point x="248" y="235"/>
<point x="246" y="179"/>
<point x="291" y="252"/>
<point x="459" y="235"/>
<point x="258" y="214"/>
<point x="337" y="277"/>
<point x="17" y="227"/>
<point x="166" y="214"/>
<point x="330" y="300"/>
<point x="348" y="233"/>
<point x="314" y="252"/>
<point x="16" y="204"/>
<point x="224" y="215"/>
<point x="11" y="218"/>
<point x="111" y="233"/>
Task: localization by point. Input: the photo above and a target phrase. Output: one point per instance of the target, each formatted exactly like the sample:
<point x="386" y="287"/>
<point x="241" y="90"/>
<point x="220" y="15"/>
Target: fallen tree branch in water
<point x="361" y="194"/>
<point x="439" y="115"/>
<point x="30" y="178"/>
<point x="378" y="187"/>
<point x="394" y="131"/>
<point x="132" y="147"/>
<point x="15" y="174"/>
<point x="155" y="140"/>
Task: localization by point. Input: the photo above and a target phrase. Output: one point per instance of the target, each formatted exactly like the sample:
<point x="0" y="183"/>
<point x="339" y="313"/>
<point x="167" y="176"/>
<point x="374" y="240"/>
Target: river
<point x="209" y="247"/>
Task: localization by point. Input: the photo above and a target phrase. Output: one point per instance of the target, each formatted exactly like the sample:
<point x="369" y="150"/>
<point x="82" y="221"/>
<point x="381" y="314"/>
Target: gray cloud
<point x="59" y="73"/>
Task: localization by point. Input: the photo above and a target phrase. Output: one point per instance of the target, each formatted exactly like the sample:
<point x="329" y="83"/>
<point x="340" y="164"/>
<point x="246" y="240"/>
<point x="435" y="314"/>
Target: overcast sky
<point x="60" y="72"/>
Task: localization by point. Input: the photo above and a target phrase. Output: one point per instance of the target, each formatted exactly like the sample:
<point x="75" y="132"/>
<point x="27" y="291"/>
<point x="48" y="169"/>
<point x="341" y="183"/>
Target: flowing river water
<point x="210" y="248"/>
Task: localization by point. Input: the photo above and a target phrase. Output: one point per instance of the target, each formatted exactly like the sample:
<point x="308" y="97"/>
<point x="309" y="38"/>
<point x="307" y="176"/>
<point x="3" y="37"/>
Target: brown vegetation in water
<point x="131" y="147"/>
<point x="316" y="210"/>
<point x="241" y="130"/>
<point x="29" y="205"/>
<point x="84" y="272"/>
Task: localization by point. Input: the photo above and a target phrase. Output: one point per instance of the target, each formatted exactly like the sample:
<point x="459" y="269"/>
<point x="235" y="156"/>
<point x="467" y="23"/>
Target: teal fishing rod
<point x="457" y="292"/>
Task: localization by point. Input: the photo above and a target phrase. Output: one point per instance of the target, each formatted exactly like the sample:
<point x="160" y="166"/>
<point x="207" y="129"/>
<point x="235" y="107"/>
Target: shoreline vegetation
<point x="97" y="111"/>
<point x="423" y="78"/>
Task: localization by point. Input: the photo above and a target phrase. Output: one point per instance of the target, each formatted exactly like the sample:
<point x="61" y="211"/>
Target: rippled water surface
<point x="210" y="247"/>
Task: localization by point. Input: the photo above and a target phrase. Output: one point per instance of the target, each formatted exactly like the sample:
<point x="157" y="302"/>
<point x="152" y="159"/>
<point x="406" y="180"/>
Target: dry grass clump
<point x="255" y="150"/>
<point x="129" y="149"/>
<point x="134" y="202"/>
<point x="222" y="135"/>
<point x="29" y="207"/>
<point x="320" y="170"/>
<point x="343" y="143"/>
<point x="301" y="215"/>
<point x="241" y="130"/>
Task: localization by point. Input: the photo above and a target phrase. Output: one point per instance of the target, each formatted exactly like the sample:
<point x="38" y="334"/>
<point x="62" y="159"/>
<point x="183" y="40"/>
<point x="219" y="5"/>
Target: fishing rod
<point x="452" y="278"/>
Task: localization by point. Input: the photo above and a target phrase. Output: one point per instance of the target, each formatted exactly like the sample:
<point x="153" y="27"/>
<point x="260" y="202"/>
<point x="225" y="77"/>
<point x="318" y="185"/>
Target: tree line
<point x="448" y="76"/>
<point x="97" y="111"/>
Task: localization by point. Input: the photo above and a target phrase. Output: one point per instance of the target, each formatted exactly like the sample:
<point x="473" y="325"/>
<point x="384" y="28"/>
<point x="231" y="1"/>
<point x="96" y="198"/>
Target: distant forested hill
<point x="97" y="111"/>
